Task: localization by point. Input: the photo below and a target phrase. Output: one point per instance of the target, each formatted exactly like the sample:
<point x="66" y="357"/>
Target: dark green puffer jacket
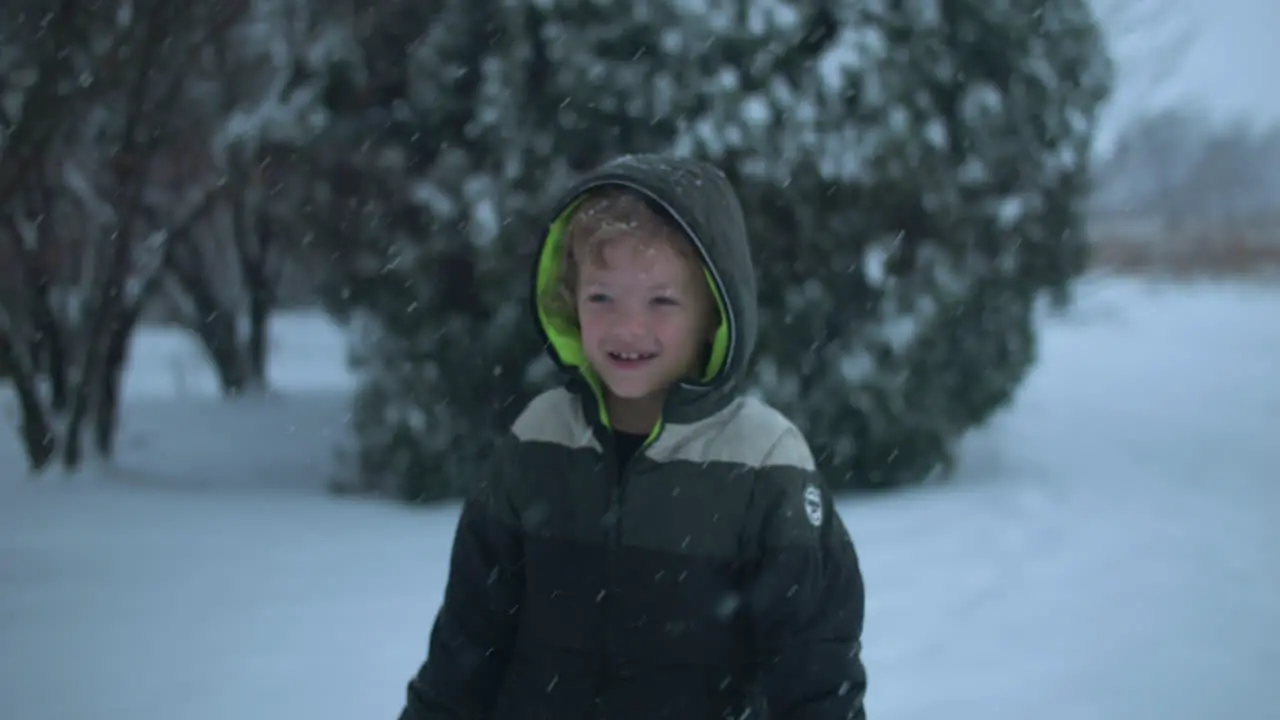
<point x="708" y="577"/>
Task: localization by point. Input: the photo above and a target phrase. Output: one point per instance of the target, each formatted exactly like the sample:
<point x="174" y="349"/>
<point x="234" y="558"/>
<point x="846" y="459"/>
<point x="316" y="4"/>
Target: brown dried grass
<point x="1248" y="251"/>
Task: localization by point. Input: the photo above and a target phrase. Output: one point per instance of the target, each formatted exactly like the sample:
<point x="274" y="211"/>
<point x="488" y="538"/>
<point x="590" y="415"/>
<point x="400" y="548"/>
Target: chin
<point x="630" y="392"/>
<point x="630" y="388"/>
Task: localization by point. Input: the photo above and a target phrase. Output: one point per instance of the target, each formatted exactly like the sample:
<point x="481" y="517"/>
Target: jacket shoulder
<point x="555" y="417"/>
<point x="749" y="432"/>
<point x="782" y="442"/>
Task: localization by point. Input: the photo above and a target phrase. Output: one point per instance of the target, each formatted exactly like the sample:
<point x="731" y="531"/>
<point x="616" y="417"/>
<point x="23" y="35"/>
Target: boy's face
<point x="645" y="315"/>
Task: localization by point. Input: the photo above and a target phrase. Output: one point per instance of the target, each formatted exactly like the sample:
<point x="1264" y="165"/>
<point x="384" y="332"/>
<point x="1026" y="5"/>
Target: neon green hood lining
<point x="565" y="338"/>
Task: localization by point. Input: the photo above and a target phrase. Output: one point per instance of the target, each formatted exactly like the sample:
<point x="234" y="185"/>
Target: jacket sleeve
<point x="804" y="594"/>
<point x="474" y="630"/>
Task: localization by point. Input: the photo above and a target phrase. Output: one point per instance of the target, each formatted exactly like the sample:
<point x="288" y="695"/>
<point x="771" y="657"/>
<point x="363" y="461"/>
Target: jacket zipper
<point x="617" y="500"/>
<point x="617" y="504"/>
<point x="614" y="513"/>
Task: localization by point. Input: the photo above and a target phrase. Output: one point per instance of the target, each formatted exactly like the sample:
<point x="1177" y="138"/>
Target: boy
<point x="650" y="542"/>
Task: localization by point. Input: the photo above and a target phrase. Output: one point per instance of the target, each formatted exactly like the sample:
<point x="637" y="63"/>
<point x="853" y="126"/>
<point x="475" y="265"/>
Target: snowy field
<point x="1110" y="549"/>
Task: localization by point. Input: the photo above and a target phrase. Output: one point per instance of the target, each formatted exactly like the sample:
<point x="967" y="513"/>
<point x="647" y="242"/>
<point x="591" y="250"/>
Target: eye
<point x="665" y="301"/>
<point x="597" y="298"/>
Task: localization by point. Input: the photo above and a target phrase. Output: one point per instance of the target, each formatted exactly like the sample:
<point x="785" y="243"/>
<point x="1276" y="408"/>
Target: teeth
<point x="629" y="356"/>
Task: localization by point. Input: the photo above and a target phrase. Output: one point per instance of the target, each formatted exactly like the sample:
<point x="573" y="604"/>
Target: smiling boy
<point x="650" y="542"/>
<point x="635" y="289"/>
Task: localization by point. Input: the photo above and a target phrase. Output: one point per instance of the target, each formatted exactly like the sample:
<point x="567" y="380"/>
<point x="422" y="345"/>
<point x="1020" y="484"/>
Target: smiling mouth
<point x="630" y="357"/>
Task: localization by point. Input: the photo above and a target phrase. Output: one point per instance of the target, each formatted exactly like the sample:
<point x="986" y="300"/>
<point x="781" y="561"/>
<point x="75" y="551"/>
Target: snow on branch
<point x="156" y="246"/>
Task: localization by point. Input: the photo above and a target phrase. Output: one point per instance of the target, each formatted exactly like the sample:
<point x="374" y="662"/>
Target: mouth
<point x="628" y="360"/>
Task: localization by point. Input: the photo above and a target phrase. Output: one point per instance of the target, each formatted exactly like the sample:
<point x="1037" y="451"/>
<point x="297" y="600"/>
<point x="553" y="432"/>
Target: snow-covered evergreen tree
<point x="912" y="170"/>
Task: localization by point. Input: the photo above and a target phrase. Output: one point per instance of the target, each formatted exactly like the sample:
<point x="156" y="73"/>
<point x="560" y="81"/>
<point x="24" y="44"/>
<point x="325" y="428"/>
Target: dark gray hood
<point x="703" y="202"/>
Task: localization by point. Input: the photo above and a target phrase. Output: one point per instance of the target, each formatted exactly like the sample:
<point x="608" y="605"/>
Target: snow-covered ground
<point x="1110" y="548"/>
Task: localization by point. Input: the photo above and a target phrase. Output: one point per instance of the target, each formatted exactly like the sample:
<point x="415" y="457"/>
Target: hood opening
<point x="562" y="332"/>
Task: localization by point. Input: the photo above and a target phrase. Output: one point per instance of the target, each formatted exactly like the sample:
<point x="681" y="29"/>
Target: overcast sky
<point x="1221" y="55"/>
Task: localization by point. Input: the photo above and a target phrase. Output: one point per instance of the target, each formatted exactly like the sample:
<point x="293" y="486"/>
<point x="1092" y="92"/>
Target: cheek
<point x="590" y="321"/>
<point x="679" y="329"/>
<point x="703" y="320"/>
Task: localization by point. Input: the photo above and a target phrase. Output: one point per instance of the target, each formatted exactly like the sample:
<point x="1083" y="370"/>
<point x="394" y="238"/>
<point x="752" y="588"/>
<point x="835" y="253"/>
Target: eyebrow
<point x="599" y="285"/>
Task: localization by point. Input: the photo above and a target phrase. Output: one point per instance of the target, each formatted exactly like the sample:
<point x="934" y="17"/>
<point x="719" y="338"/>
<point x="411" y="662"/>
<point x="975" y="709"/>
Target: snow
<point x="757" y="111"/>
<point x="1107" y="548"/>
<point x="310" y="355"/>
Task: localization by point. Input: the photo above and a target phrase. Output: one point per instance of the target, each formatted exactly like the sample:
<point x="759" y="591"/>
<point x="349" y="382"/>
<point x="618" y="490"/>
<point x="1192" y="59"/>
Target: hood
<point x="701" y="200"/>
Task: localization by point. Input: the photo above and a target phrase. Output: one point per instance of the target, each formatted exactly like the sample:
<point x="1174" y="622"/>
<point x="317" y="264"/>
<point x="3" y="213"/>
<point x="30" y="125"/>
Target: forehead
<point x="637" y="258"/>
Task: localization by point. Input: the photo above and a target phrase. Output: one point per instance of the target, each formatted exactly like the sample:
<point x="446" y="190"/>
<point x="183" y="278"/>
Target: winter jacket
<point x="708" y="577"/>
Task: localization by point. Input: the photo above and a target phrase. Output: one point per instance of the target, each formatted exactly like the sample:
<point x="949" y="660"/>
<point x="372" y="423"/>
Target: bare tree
<point x="92" y="163"/>
<point x="56" y="61"/>
<point x="1230" y="183"/>
<point x="167" y="40"/>
<point x="1187" y="172"/>
<point x="225" y="284"/>
<point x="1153" y="159"/>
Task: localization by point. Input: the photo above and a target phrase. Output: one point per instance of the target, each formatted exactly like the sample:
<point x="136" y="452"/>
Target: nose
<point x="631" y="321"/>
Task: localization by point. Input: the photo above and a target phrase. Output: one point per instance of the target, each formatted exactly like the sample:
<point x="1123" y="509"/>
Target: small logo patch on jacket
<point x="813" y="504"/>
